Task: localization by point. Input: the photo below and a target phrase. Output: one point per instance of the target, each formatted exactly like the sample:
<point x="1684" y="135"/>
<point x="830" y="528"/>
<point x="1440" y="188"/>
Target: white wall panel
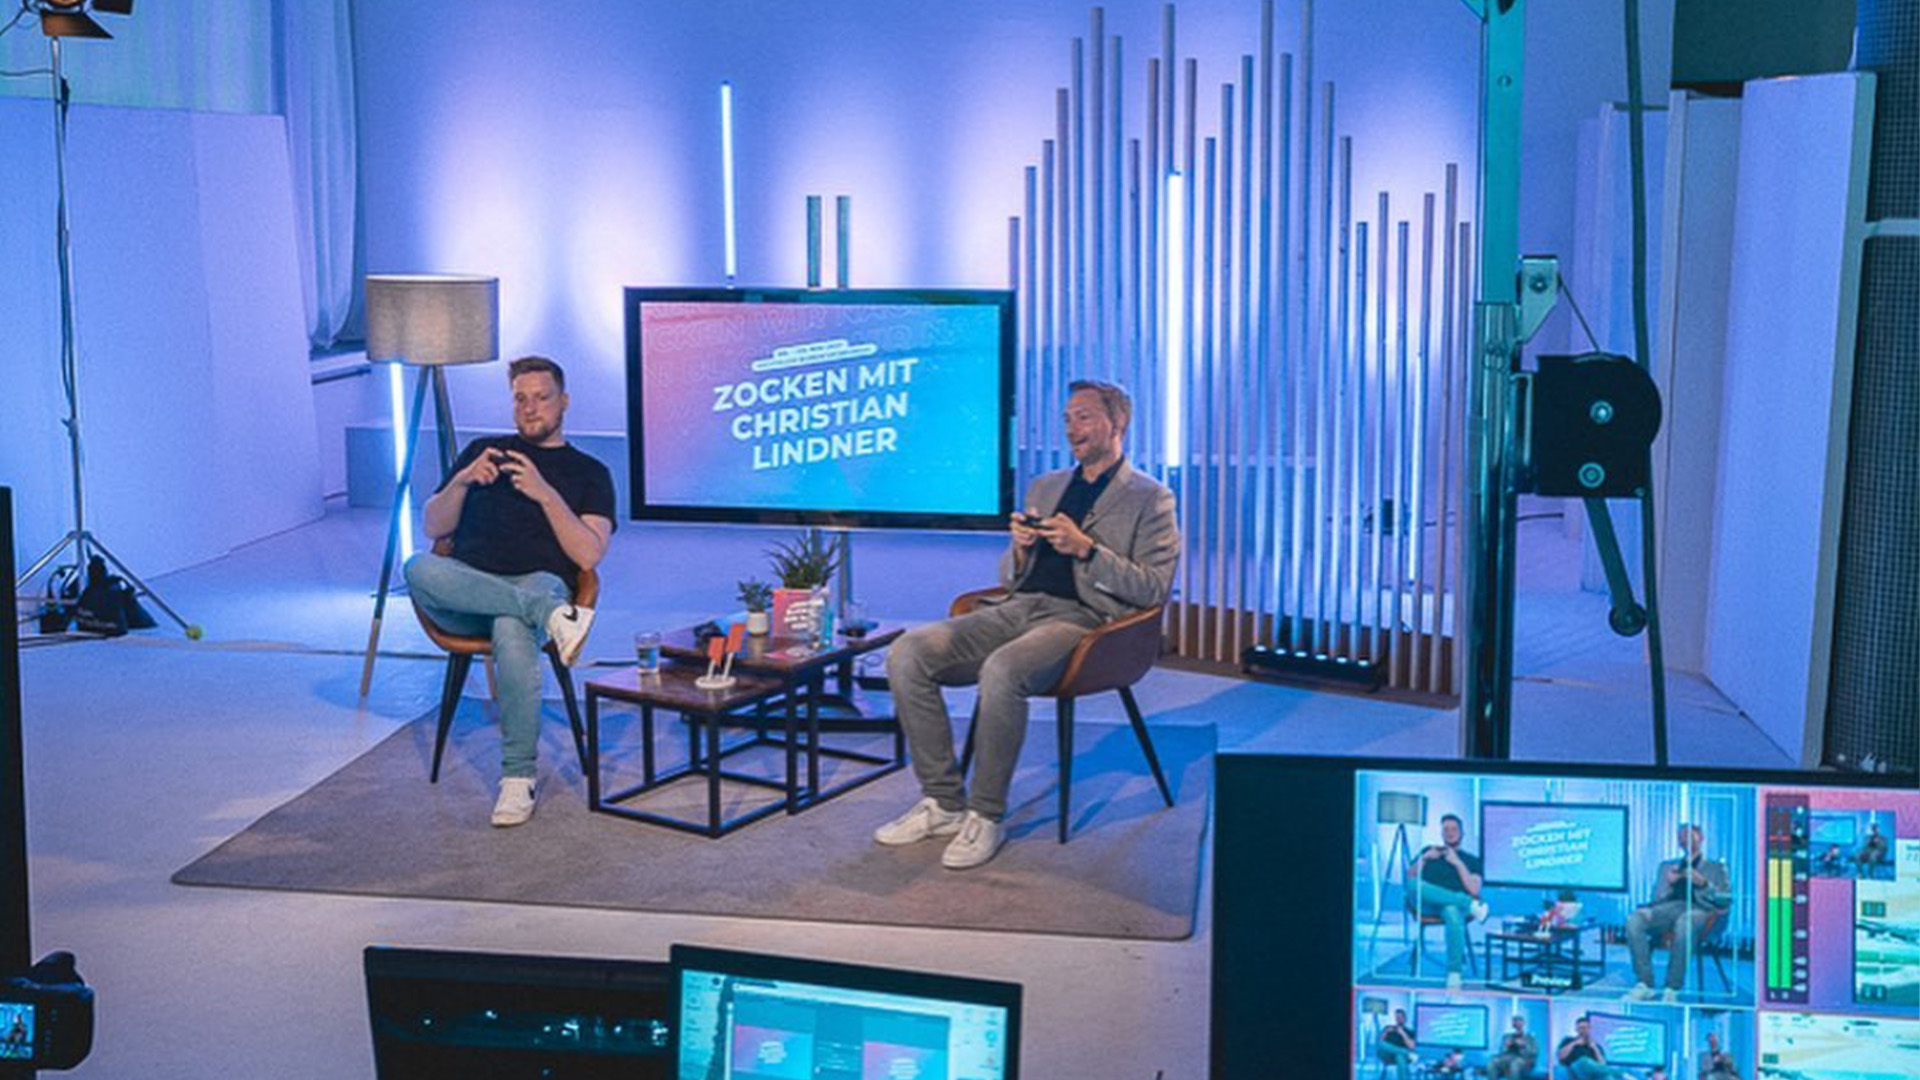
<point x="1793" y="299"/>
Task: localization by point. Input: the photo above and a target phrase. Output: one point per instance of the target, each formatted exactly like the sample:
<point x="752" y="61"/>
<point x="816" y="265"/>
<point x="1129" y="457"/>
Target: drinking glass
<point x="646" y="647"/>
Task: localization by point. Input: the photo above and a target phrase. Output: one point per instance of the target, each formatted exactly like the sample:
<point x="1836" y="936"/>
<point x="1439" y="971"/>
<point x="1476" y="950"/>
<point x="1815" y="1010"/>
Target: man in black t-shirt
<point x="1449" y="886"/>
<point x="1397" y="1045"/>
<point x="525" y="513"/>
<point x="1584" y="1057"/>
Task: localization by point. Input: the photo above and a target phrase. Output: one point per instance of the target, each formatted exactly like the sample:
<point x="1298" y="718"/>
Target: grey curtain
<point x="316" y="95"/>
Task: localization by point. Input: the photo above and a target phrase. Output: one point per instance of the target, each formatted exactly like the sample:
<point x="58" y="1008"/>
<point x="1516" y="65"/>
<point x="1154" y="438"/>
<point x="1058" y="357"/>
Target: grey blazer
<point x="1136" y="537"/>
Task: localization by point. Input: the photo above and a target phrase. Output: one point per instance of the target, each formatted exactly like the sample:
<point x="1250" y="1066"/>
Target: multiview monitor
<point x="843" y="407"/>
<point x="750" y="1016"/>
<point x="1563" y="921"/>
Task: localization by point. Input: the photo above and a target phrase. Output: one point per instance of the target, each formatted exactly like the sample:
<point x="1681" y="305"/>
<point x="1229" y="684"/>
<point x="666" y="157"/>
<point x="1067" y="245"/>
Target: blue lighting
<point x="397" y="404"/>
<point x="1174" y="361"/>
<point x="726" y="179"/>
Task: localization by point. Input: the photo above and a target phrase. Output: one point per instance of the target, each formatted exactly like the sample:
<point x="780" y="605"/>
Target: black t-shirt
<point x="1441" y="874"/>
<point x="1580" y="1050"/>
<point x="1052" y="570"/>
<point x="1398" y="1036"/>
<point x="502" y="531"/>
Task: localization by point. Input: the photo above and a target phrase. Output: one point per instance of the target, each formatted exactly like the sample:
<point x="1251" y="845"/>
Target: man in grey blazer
<point x="1094" y="543"/>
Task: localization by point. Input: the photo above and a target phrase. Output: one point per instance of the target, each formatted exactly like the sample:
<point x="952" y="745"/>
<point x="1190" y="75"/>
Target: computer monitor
<point x="1637" y="915"/>
<point x="494" y="1016"/>
<point x="869" y="408"/>
<point x="751" y="1016"/>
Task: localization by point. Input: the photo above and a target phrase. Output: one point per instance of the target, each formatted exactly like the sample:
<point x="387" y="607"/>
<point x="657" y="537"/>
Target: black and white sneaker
<point x="567" y="628"/>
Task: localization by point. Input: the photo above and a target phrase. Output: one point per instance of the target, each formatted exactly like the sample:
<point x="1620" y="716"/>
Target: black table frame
<point x="1526" y="952"/>
<point x="805" y="691"/>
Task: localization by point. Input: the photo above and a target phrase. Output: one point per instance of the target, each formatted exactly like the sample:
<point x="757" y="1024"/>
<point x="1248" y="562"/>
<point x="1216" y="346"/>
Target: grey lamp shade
<point x="433" y="319"/>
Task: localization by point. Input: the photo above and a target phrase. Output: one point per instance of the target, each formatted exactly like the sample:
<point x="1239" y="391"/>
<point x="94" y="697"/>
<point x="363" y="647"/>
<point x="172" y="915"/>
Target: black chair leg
<point x="567" y="695"/>
<point x="1146" y="742"/>
<point x="1064" y="708"/>
<point x="458" y="665"/>
<point x="966" y="753"/>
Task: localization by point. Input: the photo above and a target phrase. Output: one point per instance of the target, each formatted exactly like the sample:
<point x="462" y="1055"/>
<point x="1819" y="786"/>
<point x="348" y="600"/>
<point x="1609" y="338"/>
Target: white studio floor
<point x="145" y="752"/>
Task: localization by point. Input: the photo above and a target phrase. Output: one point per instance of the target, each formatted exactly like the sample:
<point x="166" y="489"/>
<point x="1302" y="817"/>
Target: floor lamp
<point x="57" y="21"/>
<point x="429" y="322"/>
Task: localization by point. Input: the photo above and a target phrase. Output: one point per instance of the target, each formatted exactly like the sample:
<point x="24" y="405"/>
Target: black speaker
<point x="1590" y="426"/>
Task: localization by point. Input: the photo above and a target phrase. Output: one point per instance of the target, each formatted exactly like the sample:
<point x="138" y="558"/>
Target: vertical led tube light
<point x="1201" y="416"/>
<point x="1044" y="304"/>
<point x="1323" y="389"/>
<point x="1189" y="484"/>
<point x="1356" y="516"/>
<point x="1066" y="340"/>
<point x="842" y="241"/>
<point x="1221" y="413"/>
<point x="1116" y="217"/>
<point x="1246" y="408"/>
<point x="1376" y="497"/>
<point x="1095" y="218"/>
<point x="1173" y="342"/>
<point x="1418" y="672"/>
<point x="1262" y="354"/>
<point x="726" y="183"/>
<point x="1402" y="451"/>
<point x="813" y="242"/>
<point x="397" y="407"/>
<point x="1281" y="496"/>
<point x="1136" y="278"/>
<point x="1304" y="358"/>
<point x="1030" y="300"/>
<point x="1337" y="486"/>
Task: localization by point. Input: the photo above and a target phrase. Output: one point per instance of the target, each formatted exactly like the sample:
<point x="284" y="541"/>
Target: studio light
<point x="70" y="18"/>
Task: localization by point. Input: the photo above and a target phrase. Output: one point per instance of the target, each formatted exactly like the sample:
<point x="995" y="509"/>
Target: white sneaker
<point x="567" y="628"/>
<point x="515" y="804"/>
<point x="1477" y="911"/>
<point x="926" y="819"/>
<point x="1453" y="980"/>
<point x="1670" y="996"/>
<point x="980" y="838"/>
<point x="1640" y="992"/>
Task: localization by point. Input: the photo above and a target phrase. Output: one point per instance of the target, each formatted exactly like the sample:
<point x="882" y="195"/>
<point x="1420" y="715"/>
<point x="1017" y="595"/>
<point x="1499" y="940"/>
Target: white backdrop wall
<point x="192" y="341"/>
<point x="575" y="150"/>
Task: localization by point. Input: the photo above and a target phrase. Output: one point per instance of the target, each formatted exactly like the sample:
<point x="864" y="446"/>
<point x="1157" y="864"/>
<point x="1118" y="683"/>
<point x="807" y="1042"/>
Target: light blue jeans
<point x="1400" y="1058"/>
<point x="510" y="609"/>
<point x="1589" y="1069"/>
<point x="1452" y="907"/>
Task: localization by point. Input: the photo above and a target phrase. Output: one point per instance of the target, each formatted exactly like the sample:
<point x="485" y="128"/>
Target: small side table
<point x="673" y="689"/>
<point x="1544" y="961"/>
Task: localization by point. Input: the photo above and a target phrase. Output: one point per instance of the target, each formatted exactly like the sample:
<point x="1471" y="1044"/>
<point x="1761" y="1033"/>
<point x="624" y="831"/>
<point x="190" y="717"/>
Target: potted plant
<point x="757" y="596"/>
<point x="804" y="566"/>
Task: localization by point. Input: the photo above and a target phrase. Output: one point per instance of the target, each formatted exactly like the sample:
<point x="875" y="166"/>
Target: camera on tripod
<point x="46" y="1017"/>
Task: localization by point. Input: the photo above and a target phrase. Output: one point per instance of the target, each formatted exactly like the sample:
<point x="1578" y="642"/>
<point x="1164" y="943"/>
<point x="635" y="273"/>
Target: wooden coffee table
<point x="787" y="674"/>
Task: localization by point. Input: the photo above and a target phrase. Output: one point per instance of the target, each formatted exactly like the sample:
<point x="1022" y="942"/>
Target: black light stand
<point x="57" y="21"/>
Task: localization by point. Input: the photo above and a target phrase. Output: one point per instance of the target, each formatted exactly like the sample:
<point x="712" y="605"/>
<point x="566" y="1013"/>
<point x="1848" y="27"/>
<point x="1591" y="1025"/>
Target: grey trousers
<point x="1013" y="650"/>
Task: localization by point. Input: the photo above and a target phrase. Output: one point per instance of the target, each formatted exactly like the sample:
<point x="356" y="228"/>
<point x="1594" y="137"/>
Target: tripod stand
<point x="81" y="539"/>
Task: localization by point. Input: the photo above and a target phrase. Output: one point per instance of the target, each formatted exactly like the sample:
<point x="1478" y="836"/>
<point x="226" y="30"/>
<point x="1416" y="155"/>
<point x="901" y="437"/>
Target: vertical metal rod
<point x="1265" y="532"/>
<point x="1402" y="451"/>
<point x="1030" y="301"/>
<point x="1464" y="350"/>
<point x="1375" y="509"/>
<point x="1356" y="516"/>
<point x="1339" y="490"/>
<point x="1303" y="360"/>
<point x="1045" y="304"/>
<point x="1096" y="195"/>
<point x="1203" y="435"/>
<point x="1442" y="675"/>
<point x="1285" y="531"/>
<point x="1136" y="341"/>
<point x="1245" y="403"/>
<point x="1220" y="418"/>
<point x="1189" y="485"/>
<point x="1013" y="253"/>
<point x="1420" y="675"/>
<point x="842" y="240"/>
<point x="1148" y="393"/>
<point x="1065" y="340"/>
<point x="1079" y="359"/>
<point x="1167" y="42"/>
<point x="813" y="241"/>
<point x="1323" y="388"/>
<point x="1116" y="217"/>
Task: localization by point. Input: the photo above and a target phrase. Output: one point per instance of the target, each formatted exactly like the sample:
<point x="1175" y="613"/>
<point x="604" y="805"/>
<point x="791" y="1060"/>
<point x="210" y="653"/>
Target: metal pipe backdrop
<point x="1292" y="384"/>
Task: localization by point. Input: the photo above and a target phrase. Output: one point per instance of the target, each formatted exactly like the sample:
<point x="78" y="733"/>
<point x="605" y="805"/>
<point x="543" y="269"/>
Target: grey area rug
<point x="377" y="827"/>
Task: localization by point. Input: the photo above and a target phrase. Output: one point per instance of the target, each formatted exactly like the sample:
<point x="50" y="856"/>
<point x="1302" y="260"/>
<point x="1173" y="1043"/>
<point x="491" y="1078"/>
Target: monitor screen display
<point x="1639" y="919"/>
<point x="748" y="1016"/>
<point x="16" y="1031"/>
<point x="1555" y="845"/>
<point x="841" y="407"/>
<point x="443" y="1013"/>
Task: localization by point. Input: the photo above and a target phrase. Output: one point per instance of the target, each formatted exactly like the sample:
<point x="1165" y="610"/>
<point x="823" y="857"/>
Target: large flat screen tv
<point x="850" y="407"/>
<point x="1639" y="917"/>
<point x="752" y="1016"/>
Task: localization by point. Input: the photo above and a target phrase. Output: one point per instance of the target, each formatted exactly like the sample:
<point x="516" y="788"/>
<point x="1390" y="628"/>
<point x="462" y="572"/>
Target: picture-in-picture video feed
<point x="1581" y="927"/>
<point x="16" y="1031"/>
<point x="872" y="407"/>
